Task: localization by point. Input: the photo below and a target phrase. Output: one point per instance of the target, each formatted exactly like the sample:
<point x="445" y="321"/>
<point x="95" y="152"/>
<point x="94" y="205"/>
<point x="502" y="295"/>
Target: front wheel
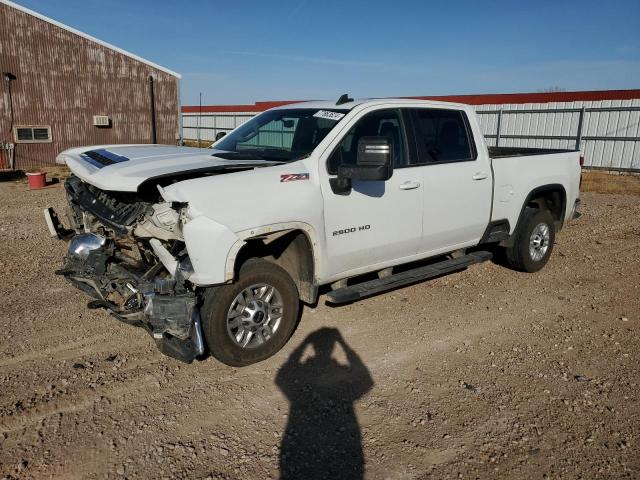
<point x="533" y="241"/>
<point x="251" y="319"/>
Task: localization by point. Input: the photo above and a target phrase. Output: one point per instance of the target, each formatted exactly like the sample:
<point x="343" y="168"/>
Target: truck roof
<point x="331" y="104"/>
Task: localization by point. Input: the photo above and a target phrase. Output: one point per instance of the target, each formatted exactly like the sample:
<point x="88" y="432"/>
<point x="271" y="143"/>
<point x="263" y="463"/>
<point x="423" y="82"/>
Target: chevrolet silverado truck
<point x="217" y="249"/>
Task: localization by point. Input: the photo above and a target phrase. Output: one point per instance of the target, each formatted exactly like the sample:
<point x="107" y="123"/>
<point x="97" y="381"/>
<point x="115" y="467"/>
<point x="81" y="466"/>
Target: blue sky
<point x="241" y="52"/>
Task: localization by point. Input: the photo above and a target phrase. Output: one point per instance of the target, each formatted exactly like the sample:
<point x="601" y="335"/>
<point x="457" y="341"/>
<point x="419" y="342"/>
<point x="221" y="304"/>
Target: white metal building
<point x="604" y="125"/>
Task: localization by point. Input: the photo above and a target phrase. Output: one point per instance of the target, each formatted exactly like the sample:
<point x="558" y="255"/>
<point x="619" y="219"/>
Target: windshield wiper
<point x="248" y="155"/>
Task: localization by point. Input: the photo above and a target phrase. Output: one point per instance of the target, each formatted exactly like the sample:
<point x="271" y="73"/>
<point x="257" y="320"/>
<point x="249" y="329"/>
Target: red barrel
<point x="37" y="180"/>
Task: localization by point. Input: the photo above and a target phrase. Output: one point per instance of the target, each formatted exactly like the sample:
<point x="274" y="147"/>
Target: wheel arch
<point x="290" y="246"/>
<point x="552" y="196"/>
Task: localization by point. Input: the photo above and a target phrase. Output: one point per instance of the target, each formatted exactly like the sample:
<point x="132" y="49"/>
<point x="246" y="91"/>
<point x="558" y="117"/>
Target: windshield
<point x="285" y="135"/>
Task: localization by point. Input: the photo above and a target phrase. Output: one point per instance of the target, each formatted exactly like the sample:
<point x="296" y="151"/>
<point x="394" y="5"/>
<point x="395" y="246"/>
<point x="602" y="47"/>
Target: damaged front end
<point x="127" y="252"/>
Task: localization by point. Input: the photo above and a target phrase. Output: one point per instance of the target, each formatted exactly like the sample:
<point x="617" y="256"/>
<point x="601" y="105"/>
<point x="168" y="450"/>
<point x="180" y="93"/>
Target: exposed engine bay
<point x="126" y="250"/>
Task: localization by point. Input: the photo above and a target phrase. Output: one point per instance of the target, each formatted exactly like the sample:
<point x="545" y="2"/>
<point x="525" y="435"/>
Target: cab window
<point x="442" y="135"/>
<point x="381" y="123"/>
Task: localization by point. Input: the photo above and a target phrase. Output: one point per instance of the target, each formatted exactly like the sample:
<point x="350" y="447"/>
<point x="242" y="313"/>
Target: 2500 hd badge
<point x="351" y="230"/>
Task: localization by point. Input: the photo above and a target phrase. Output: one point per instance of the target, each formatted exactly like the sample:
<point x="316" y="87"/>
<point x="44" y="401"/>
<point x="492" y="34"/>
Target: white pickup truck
<point x="216" y="249"/>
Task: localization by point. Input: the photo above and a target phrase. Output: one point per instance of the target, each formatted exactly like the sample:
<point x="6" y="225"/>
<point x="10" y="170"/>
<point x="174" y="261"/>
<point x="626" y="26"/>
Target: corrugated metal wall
<point x="617" y="133"/>
<point x="610" y="139"/>
<point x="63" y="79"/>
<point x="210" y="124"/>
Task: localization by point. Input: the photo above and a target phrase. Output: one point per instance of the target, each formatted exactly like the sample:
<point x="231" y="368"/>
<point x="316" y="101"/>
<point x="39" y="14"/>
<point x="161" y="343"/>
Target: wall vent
<point x="101" y="120"/>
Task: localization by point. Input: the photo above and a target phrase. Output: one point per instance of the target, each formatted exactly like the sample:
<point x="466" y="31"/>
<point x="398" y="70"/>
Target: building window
<point x="39" y="134"/>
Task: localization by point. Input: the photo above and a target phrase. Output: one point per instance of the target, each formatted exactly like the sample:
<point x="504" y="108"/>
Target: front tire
<point x="250" y="320"/>
<point x="533" y="241"/>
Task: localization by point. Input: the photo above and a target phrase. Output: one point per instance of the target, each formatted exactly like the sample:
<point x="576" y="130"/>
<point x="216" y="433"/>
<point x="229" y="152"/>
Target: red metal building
<point x="61" y="88"/>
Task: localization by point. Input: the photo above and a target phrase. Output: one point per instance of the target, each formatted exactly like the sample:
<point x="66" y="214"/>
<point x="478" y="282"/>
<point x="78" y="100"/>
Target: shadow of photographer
<point x="322" y="438"/>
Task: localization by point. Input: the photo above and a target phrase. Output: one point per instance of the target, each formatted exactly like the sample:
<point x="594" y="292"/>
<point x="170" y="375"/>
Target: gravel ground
<point x="486" y="373"/>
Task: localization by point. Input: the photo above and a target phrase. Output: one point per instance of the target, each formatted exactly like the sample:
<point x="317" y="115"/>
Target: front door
<point x="378" y="221"/>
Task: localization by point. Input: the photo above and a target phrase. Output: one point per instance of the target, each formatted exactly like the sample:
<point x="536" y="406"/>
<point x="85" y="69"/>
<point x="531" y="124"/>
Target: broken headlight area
<point x="140" y="294"/>
<point x="128" y="255"/>
<point x="138" y="214"/>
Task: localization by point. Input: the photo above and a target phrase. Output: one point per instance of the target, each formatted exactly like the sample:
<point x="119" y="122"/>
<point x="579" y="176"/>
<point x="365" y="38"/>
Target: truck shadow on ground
<point x="322" y="438"/>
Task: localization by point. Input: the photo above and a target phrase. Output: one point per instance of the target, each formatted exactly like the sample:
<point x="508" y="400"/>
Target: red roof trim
<point x="256" y="107"/>
<point x="482" y="99"/>
<point x="550" y="97"/>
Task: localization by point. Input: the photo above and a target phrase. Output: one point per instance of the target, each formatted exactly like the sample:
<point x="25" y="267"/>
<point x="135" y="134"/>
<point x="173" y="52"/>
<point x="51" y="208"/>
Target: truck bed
<point x="519" y="171"/>
<point x="502" y="152"/>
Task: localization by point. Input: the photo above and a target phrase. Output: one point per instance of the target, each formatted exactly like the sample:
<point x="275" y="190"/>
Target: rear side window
<point x="442" y="136"/>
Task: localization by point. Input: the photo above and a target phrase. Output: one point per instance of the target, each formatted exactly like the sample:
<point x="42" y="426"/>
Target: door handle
<point x="480" y="176"/>
<point x="409" y="185"/>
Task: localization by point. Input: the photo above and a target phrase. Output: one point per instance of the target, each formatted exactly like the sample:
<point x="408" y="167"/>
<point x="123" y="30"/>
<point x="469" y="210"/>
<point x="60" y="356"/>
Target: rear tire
<point x="260" y="309"/>
<point x="533" y="241"/>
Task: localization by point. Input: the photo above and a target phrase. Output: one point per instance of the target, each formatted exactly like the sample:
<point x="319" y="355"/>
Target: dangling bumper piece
<point x="150" y="298"/>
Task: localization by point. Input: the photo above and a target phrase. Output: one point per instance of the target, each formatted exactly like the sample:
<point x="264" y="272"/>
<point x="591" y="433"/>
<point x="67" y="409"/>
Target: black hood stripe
<point x="102" y="158"/>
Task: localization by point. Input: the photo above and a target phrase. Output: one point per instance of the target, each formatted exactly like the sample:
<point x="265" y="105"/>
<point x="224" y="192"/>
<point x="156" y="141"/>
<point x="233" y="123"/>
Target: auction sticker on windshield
<point x="328" y="115"/>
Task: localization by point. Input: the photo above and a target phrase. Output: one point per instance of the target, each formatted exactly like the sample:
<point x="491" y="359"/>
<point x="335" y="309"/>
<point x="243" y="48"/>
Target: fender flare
<point x="542" y="189"/>
<point x="267" y="230"/>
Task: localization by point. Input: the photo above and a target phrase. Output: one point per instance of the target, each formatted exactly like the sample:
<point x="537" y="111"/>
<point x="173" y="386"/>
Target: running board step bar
<point x="366" y="289"/>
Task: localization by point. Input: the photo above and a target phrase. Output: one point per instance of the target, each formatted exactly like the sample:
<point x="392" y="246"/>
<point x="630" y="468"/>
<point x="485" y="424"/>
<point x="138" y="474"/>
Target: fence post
<point x="579" y="133"/>
<point x="199" y="118"/>
<point x="498" y="129"/>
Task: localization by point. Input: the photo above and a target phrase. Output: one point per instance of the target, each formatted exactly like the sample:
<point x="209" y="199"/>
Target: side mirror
<point x="374" y="161"/>
<point x="219" y="135"/>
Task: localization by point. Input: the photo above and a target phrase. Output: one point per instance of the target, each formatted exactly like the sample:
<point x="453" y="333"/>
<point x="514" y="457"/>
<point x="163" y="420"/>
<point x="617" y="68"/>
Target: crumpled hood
<point x="124" y="168"/>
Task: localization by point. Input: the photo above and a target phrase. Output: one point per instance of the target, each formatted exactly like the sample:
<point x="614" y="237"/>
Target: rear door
<point x="457" y="180"/>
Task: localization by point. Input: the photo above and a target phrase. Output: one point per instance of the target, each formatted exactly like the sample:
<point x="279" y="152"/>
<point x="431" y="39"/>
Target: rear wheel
<point x="533" y="241"/>
<point x="251" y="319"/>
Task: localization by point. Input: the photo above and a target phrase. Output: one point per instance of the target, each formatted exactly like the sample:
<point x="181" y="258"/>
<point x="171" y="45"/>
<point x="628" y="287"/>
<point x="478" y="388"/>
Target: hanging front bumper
<point x="164" y="305"/>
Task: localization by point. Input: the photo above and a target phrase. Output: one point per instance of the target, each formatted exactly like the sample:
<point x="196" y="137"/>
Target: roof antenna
<point x="344" y="98"/>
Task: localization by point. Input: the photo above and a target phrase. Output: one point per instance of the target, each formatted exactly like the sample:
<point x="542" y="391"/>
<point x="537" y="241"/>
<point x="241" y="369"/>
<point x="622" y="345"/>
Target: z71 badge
<point x="292" y="177"/>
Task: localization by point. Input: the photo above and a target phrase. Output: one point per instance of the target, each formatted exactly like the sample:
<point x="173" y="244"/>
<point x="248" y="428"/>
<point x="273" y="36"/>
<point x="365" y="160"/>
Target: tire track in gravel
<point x="140" y="386"/>
<point x="47" y="353"/>
<point x="79" y="400"/>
